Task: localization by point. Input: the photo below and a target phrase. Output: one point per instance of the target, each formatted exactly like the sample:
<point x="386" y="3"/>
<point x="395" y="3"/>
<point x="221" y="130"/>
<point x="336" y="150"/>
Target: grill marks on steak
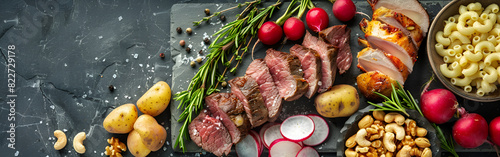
<point x="209" y="133"/>
<point x="247" y="91"/>
<point x="311" y="66"/>
<point x="231" y="113"/>
<point x="328" y="54"/>
<point x="259" y="71"/>
<point x="339" y="36"/>
<point x="286" y="73"/>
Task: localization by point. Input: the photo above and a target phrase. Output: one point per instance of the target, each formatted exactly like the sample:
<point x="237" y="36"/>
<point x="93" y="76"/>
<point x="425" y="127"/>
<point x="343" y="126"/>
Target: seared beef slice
<point x="247" y="91"/>
<point x="286" y="73"/>
<point x="259" y="71"/>
<point x="230" y="111"/>
<point x="328" y="55"/>
<point x="311" y="66"/>
<point x="339" y="36"/>
<point x="209" y="133"/>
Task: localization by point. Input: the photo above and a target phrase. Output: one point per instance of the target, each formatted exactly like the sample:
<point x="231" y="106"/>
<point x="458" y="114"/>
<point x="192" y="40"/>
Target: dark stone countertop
<point x="67" y="54"/>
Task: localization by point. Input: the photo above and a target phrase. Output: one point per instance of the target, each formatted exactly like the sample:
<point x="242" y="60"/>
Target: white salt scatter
<point x="52" y="106"/>
<point x="65" y="64"/>
<point x="96" y="58"/>
<point x="125" y="96"/>
<point x="102" y="154"/>
<point x="84" y="95"/>
<point x="140" y="65"/>
<point x="171" y="154"/>
<point x="100" y="37"/>
<point x="149" y="57"/>
<point x="126" y="60"/>
<point x="41" y="122"/>
<point x="197" y="154"/>
<point x="164" y="148"/>
<point x="139" y="86"/>
<point x="168" y="143"/>
<point x="147" y="65"/>
<point x="64" y="130"/>
<point x="116" y="98"/>
<point x="114" y="75"/>
<point x="190" y="46"/>
<point x="120" y="18"/>
<point x="106" y="101"/>
<point x="103" y="60"/>
<point x="136" y="55"/>
<point x="47" y="124"/>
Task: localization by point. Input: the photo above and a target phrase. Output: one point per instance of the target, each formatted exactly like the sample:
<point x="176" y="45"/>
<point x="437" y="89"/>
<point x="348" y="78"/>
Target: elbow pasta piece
<point x="458" y="49"/>
<point x="492" y="39"/>
<point x="462" y="61"/>
<point x="487" y="26"/>
<point x="440" y="49"/>
<point x="464" y="81"/>
<point x="462" y="9"/>
<point x="469" y="47"/>
<point x="495" y="31"/>
<point x="497" y="48"/>
<point x="476" y="39"/>
<point x="480" y="92"/>
<point x="456" y="35"/>
<point x="448" y="28"/>
<point x="462" y="20"/>
<point x="490" y="74"/>
<point x="494" y="57"/>
<point x="481" y="46"/>
<point x="468" y="88"/>
<point x="449" y="59"/>
<point x="455" y="70"/>
<point x="470" y="70"/>
<point x="493" y="8"/>
<point x="474" y="6"/>
<point x="473" y="57"/>
<point x="441" y="39"/>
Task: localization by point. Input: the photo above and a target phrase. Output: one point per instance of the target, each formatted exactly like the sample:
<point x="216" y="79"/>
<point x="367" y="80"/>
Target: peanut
<point x="365" y="122"/>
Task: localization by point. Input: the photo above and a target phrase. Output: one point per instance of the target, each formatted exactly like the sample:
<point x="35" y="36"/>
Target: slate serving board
<point x="183" y="14"/>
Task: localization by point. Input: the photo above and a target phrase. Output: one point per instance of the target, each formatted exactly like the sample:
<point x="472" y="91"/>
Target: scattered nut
<point x="360" y="138"/>
<point x="365" y="122"/>
<point x="404" y="152"/>
<point x="351" y="141"/>
<point x="179" y="30"/>
<point x="379" y="115"/>
<point x="362" y="149"/>
<point x="397" y="129"/>
<point x="61" y="140"/>
<point x="389" y="142"/>
<point x="188" y="49"/>
<point x="422" y="142"/>
<point x="207" y="11"/>
<point x="182" y="43"/>
<point x="189" y="31"/>
<point x="426" y="153"/>
<point x="116" y="147"/>
<point x="351" y="153"/>
<point x="222" y="18"/>
<point x="421" y="132"/>
<point x="408" y="141"/>
<point x="224" y="84"/>
<point x="199" y="59"/>
<point x="411" y="127"/>
<point x="78" y="142"/>
<point x="193" y="64"/>
<point x="394" y="117"/>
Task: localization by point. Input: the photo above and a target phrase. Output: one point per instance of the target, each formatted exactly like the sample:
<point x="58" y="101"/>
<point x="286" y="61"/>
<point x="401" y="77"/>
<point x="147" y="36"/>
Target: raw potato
<point x="340" y="101"/>
<point x="135" y="145"/>
<point x="153" y="135"/>
<point x="155" y="100"/>
<point x="121" y="120"/>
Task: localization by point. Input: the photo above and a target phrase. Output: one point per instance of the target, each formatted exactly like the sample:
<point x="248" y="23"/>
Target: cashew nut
<point x="388" y="141"/>
<point x="362" y="149"/>
<point x="365" y="122"/>
<point x="389" y="154"/>
<point x="351" y="141"/>
<point x="421" y="132"/>
<point x="422" y="142"/>
<point x="397" y="129"/>
<point x="379" y="115"/>
<point x="404" y="152"/>
<point x="78" y="142"/>
<point x="351" y="153"/>
<point x="426" y="153"/>
<point x="394" y="117"/>
<point x="360" y="138"/>
<point x="61" y="140"/>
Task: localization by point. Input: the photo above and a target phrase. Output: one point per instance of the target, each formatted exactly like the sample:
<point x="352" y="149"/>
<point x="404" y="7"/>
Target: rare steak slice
<point x="228" y="109"/>
<point x="339" y="36"/>
<point x="259" y="71"/>
<point x="286" y="73"/>
<point x="247" y="91"/>
<point x="209" y="133"/>
<point x="311" y="66"/>
<point x="328" y="55"/>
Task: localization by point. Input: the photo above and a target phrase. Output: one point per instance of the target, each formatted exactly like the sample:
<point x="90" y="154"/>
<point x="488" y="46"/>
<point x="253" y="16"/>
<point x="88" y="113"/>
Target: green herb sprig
<point x="401" y="100"/>
<point x="229" y="40"/>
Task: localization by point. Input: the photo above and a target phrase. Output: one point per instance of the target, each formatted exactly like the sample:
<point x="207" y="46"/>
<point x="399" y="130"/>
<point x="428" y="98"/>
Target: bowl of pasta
<point x="463" y="46"/>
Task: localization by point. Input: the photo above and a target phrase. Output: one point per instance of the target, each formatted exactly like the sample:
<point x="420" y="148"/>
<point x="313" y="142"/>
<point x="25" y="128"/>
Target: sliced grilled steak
<point x="328" y="54"/>
<point x="311" y="66"/>
<point x="259" y="71"/>
<point x="286" y="73"/>
<point x="209" y="133"/>
<point x="339" y="36"/>
<point x="231" y="113"/>
<point x="247" y="91"/>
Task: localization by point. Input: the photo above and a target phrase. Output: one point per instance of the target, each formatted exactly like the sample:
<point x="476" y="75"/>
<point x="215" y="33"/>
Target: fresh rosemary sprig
<point x="401" y="99"/>
<point x="196" y="23"/>
<point x="205" y="81"/>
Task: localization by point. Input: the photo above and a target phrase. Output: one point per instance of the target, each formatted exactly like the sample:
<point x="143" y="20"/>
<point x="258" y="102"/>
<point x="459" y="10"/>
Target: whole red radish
<point x="470" y="131"/>
<point x="495" y="131"/>
<point x="344" y="10"/>
<point x="438" y="105"/>
<point x="317" y="19"/>
<point x="270" y="33"/>
<point x="294" y="28"/>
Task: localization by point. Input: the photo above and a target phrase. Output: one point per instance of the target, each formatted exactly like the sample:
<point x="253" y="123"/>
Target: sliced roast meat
<point x="401" y="21"/>
<point x="311" y="66"/>
<point x="210" y="134"/>
<point x="376" y="60"/>
<point x="286" y="73"/>
<point x="375" y="81"/>
<point x="231" y="113"/>
<point x="328" y="54"/>
<point x="340" y="36"/>
<point x="247" y="91"/>
<point x="390" y="39"/>
<point x="411" y="8"/>
<point x="259" y="71"/>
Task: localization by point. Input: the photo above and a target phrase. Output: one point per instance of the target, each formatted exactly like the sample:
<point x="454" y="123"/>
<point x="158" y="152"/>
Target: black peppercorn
<point x="179" y="30"/>
<point x="207" y="41"/>
<point x="223" y="18"/>
<point x="188" y="49"/>
<point x="111" y="88"/>
<point x="200" y="52"/>
<point x="162" y="55"/>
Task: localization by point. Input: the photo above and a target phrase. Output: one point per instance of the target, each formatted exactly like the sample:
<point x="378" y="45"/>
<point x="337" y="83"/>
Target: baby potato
<point x="153" y="134"/>
<point x="155" y="100"/>
<point x="135" y="145"/>
<point x="340" y="101"/>
<point x="121" y="120"/>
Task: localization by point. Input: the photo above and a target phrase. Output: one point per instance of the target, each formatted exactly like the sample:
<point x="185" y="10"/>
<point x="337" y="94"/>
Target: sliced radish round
<point x="297" y="128"/>
<point x="248" y="147"/>
<point x="284" y="148"/>
<point x="308" y="152"/>
<point x="272" y="133"/>
<point x="264" y="128"/>
<point x="259" y="140"/>
<point x="321" y="131"/>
